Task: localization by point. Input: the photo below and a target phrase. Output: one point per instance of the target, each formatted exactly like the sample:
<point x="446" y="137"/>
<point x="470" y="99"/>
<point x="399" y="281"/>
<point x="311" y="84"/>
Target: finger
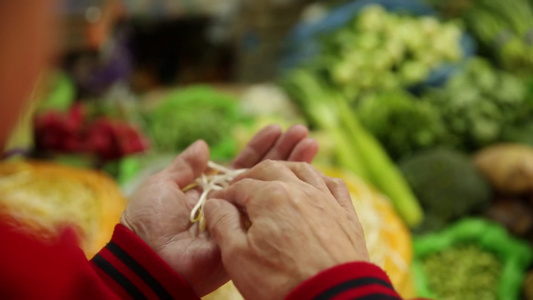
<point x="189" y="164"/>
<point x="224" y="223"/>
<point x="192" y="196"/>
<point x="269" y="170"/>
<point x="339" y="190"/>
<point x="304" y="151"/>
<point x="258" y="147"/>
<point x="286" y="143"/>
<point x="308" y="174"/>
<point x="254" y="196"/>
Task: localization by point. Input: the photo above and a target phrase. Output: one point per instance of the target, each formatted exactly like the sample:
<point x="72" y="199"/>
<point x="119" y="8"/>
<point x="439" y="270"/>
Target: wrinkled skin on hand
<point x="159" y="211"/>
<point x="302" y="222"/>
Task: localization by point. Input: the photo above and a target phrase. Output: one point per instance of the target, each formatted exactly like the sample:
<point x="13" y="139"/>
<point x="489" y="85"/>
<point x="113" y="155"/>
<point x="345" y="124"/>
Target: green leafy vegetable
<point x="387" y="50"/>
<point x="502" y="27"/>
<point x="402" y="123"/>
<point x="189" y="114"/>
<point x="480" y="104"/>
<point x="480" y="253"/>
<point x="463" y="272"/>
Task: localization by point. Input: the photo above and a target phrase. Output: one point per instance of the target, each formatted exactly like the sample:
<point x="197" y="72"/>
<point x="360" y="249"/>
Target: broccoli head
<point x="447" y="185"/>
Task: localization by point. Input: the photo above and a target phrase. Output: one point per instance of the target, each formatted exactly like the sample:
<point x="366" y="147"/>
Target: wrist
<point x="345" y="281"/>
<point x="129" y="262"/>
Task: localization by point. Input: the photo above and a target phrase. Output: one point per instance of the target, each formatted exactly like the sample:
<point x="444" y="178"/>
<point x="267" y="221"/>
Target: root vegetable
<point x="508" y="167"/>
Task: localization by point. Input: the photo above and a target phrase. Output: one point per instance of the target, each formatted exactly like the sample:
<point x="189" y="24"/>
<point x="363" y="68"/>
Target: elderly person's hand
<point x="159" y="211"/>
<point x="279" y="224"/>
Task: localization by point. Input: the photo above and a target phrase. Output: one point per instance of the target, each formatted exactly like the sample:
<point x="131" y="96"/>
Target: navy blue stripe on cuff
<point x="124" y="282"/>
<point x="377" y="297"/>
<point x="352" y="284"/>
<point x="129" y="261"/>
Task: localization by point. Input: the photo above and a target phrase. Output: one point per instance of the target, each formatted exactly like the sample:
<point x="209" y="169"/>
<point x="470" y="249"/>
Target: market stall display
<point x="396" y="30"/>
<point x="424" y="109"/>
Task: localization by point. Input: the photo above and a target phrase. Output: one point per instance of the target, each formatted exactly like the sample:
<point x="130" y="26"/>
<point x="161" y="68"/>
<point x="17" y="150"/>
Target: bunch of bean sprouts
<point x="208" y="183"/>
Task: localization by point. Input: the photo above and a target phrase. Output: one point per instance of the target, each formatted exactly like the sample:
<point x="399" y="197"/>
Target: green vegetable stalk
<point x="381" y="170"/>
<point x="316" y="104"/>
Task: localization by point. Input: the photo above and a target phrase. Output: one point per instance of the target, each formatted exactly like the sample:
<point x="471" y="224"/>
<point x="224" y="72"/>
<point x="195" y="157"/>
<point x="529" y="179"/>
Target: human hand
<point x="159" y="211"/>
<point x="302" y="222"/>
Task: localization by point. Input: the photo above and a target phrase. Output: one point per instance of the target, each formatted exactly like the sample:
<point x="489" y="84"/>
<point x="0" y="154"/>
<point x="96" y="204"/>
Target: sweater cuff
<point x="135" y="271"/>
<point x="356" y="280"/>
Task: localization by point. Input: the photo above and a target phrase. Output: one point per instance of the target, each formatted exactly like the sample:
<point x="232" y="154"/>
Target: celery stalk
<point x="381" y="169"/>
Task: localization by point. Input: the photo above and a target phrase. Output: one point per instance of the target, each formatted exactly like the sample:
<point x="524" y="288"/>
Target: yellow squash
<point x="45" y="197"/>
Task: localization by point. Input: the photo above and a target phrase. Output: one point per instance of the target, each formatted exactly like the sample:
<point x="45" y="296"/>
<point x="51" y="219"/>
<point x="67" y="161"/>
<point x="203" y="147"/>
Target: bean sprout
<point x="209" y="183"/>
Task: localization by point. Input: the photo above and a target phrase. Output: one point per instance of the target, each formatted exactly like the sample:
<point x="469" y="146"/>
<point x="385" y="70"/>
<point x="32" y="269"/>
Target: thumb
<point x="224" y="223"/>
<point x="189" y="164"/>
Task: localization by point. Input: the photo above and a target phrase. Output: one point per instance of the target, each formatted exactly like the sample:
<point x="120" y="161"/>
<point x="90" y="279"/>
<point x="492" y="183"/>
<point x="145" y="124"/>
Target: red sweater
<point x="128" y="269"/>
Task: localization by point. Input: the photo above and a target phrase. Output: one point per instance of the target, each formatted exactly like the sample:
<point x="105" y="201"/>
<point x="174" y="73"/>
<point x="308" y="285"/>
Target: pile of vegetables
<point x="504" y="28"/>
<point x="402" y="123"/>
<point x="386" y="50"/>
<point x="481" y="106"/>
<point x="76" y="132"/>
<point x="472" y="259"/>
<point x="186" y="115"/>
<point x="478" y="107"/>
<point x="463" y="273"/>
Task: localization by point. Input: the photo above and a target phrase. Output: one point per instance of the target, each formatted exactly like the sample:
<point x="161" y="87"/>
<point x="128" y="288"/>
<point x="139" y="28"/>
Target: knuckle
<point x="339" y="184"/>
<point x="269" y="163"/>
<point x="307" y="169"/>
<point x="278" y="191"/>
<point x="303" y="167"/>
<point x="278" y="187"/>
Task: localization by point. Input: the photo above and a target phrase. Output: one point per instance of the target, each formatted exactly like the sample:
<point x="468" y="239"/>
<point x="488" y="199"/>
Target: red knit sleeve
<point x="130" y="267"/>
<point x="126" y="268"/>
<point x="357" y="280"/>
